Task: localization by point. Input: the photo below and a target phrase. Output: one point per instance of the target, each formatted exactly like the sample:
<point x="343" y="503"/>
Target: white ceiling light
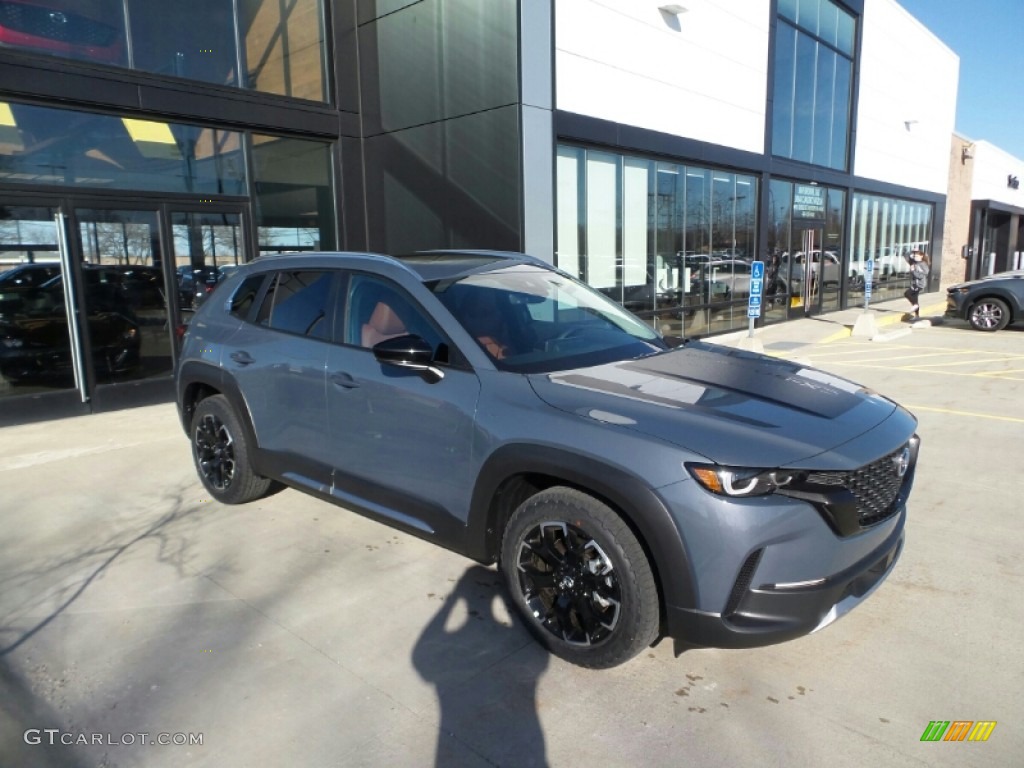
<point x="673" y="8"/>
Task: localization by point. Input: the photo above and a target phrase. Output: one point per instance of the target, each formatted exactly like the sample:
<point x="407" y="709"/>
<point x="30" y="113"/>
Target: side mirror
<point x="412" y="352"/>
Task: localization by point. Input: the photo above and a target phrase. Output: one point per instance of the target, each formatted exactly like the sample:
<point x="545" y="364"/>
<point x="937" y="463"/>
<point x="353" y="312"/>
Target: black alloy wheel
<point x="215" y="452"/>
<point x="569" y="583"/>
<point x="221" y="454"/>
<point x="580" y="578"/>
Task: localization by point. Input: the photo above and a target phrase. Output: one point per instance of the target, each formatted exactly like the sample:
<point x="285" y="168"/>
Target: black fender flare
<point x="198" y="372"/>
<point x="641" y="507"/>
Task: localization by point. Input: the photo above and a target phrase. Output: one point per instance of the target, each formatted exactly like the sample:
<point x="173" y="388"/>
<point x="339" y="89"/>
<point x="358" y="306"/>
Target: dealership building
<point x="654" y="150"/>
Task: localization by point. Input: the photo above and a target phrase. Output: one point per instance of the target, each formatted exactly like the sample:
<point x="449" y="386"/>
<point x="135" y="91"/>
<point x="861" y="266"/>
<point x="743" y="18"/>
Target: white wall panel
<point x="635" y="201"/>
<point x="702" y="75"/>
<point x="992" y="167"/>
<point x="602" y="202"/>
<point x="907" y="108"/>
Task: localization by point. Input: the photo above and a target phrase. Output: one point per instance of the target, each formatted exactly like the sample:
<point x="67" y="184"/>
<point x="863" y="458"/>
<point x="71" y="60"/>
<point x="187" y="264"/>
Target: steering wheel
<point x="572" y="333"/>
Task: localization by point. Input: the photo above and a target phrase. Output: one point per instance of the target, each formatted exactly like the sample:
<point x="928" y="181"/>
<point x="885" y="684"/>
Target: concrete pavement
<point x="291" y="632"/>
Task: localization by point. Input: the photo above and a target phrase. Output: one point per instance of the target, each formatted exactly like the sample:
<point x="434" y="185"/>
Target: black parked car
<point x="28" y="275"/>
<point x="34" y="342"/>
<point x="988" y="304"/>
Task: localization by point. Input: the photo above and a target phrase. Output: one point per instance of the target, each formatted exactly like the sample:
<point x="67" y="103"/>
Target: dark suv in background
<point x="627" y="484"/>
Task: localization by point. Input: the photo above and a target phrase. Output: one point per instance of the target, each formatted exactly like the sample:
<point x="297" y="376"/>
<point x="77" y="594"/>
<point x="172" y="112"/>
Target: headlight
<point x="740" y="481"/>
<point x="12" y="343"/>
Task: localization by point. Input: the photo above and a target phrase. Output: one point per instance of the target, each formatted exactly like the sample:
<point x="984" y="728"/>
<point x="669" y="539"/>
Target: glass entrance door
<point x="802" y="272"/>
<point x="128" y="335"/>
<point x="91" y="294"/>
<point x="36" y="350"/>
<point x="205" y="246"/>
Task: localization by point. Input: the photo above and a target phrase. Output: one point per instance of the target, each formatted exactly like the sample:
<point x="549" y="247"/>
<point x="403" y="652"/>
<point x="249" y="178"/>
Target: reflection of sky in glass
<point x="302" y="237"/>
<point x="39" y="232"/>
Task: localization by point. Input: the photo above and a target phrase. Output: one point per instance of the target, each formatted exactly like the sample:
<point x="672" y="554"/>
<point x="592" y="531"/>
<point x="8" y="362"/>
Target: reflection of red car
<point x="57" y="29"/>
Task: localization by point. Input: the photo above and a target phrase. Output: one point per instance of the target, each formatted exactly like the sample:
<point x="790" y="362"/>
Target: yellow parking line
<point x="982" y="374"/>
<point x="897" y="355"/>
<point x="969" y="414"/>
<point x="838" y="335"/>
<point x="922" y="366"/>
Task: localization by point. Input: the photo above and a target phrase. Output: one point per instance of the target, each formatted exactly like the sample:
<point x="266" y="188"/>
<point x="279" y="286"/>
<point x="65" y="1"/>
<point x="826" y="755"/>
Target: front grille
<point x="61" y="26"/>
<point x="874" y="486"/>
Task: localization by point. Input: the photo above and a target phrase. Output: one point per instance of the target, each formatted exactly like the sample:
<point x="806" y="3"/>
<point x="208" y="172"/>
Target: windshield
<point x="533" y="320"/>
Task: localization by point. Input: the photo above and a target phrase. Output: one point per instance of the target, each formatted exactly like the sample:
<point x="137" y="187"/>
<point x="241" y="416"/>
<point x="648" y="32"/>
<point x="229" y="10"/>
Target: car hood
<point x="1016" y="274"/>
<point x="732" y="407"/>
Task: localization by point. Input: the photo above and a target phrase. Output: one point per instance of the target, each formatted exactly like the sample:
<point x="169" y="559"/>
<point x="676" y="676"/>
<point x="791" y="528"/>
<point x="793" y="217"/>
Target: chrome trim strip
<point x="795" y="584"/>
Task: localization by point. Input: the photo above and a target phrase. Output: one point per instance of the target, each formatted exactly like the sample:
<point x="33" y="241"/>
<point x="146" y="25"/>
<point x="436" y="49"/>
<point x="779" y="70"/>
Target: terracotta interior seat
<point x="383" y="324"/>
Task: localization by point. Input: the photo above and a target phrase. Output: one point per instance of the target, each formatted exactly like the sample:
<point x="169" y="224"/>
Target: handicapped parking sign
<point x="756" y="289"/>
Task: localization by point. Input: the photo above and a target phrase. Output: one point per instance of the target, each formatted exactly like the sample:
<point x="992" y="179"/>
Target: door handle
<point x="242" y="357"/>
<point x="344" y="380"/>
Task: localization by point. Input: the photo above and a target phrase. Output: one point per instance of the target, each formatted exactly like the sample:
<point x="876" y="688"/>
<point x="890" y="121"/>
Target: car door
<point x="402" y="443"/>
<point x="279" y="361"/>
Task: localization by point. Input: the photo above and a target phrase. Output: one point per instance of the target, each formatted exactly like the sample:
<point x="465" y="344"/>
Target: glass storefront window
<point x="885" y="230"/>
<point x="265" y="45"/>
<point x="293" y="194"/>
<point x="81" y="149"/>
<point x="672" y="243"/>
<point x="283" y="47"/>
<point x="194" y="39"/>
<point x="87" y="30"/>
<point x="813" y="82"/>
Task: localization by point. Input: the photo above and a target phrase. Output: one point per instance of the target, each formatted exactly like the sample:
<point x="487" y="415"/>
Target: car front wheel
<point x="580" y="578"/>
<point x="221" y="454"/>
<point x="989" y="315"/>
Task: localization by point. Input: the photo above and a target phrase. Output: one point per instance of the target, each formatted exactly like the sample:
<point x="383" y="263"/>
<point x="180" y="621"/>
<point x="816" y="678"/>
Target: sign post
<point x="869" y="270"/>
<point x="866" y="327"/>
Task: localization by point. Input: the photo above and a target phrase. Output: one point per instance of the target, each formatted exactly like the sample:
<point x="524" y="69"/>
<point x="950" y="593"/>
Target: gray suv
<point x="628" y="485"/>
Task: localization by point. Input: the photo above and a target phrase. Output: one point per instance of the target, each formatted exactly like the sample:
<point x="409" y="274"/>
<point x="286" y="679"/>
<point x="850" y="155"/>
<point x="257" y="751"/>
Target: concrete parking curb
<point x="890" y="317"/>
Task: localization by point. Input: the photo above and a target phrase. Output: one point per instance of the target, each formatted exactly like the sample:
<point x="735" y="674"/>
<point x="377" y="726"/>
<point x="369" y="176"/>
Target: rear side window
<point x="299" y="303"/>
<point x="244" y="297"/>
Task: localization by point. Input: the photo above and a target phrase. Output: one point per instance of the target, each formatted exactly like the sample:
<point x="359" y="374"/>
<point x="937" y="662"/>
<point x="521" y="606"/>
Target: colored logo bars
<point x="958" y="730"/>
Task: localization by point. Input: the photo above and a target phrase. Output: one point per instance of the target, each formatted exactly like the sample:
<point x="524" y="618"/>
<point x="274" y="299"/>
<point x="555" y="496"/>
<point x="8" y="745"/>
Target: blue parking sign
<point x="756" y="289"/>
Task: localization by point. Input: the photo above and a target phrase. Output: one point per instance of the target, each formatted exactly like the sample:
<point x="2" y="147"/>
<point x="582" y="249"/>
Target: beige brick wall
<point x="958" y="212"/>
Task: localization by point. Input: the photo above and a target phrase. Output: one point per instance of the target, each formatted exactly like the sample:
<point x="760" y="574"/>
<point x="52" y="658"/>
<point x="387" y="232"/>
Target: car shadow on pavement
<point x="486" y="669"/>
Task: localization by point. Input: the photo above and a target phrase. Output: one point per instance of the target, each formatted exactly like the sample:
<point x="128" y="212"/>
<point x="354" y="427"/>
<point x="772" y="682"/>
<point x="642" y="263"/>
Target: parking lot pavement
<point x="291" y="632"/>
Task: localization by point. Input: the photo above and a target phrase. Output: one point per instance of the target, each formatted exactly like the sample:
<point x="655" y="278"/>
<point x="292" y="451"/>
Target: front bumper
<point x="764" y="613"/>
<point x="955" y="305"/>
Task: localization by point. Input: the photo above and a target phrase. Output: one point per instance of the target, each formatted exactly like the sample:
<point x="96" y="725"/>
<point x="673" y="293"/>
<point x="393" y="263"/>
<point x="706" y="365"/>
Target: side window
<point x="299" y="303"/>
<point x="379" y="310"/>
<point x="245" y="295"/>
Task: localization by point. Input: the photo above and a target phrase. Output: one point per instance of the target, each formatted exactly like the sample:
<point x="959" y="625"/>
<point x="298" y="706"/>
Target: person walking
<point x="920" y="266"/>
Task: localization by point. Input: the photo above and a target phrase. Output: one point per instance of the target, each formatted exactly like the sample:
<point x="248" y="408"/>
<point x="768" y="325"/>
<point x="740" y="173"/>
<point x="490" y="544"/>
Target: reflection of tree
<point x="222" y="243"/>
<point x="117" y="242"/>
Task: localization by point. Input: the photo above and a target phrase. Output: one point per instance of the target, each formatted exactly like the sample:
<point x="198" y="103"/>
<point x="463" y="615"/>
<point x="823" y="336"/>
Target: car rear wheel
<point x="989" y="315"/>
<point x="580" y="579"/>
<point x="221" y="453"/>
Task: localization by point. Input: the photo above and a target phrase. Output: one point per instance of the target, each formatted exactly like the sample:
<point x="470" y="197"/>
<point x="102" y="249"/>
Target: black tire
<point x="989" y="315"/>
<point x="221" y="453"/>
<point x="580" y="579"/>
